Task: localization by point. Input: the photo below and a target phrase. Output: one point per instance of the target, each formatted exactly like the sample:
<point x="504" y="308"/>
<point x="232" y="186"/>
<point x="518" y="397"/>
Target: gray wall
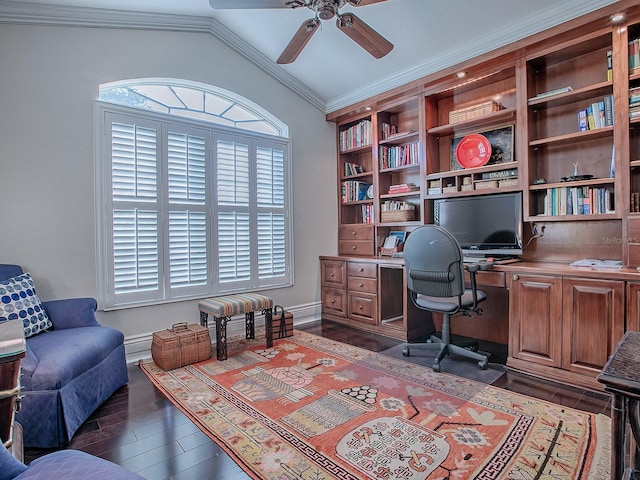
<point x="49" y="77"/>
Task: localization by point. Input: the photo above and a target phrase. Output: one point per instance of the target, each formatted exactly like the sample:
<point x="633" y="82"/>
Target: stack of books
<point x="403" y="188"/>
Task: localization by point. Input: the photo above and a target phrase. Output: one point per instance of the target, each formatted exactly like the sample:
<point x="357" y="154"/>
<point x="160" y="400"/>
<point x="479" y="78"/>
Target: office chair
<point x="435" y="278"/>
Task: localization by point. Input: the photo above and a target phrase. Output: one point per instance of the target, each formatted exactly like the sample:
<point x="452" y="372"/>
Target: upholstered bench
<point x="222" y="308"/>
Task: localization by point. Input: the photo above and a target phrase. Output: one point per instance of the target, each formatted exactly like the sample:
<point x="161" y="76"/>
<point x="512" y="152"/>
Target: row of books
<point x="356" y="136"/>
<point x="634" y="54"/>
<point x="583" y="200"/>
<point x="403" y="188"/>
<point x="354" y="191"/>
<point x="351" y="168"/>
<point x="398" y="155"/>
<point x="635" y="202"/>
<point x="396" y="205"/>
<point x="367" y="213"/>
<point x="597" y="115"/>
<point x="634" y="102"/>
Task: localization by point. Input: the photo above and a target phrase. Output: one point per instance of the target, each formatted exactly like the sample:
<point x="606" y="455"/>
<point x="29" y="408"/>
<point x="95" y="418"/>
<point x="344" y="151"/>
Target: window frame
<point x="107" y="299"/>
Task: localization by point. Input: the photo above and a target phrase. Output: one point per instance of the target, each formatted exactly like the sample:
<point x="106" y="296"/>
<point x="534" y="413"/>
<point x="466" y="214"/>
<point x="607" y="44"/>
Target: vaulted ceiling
<point x="332" y="71"/>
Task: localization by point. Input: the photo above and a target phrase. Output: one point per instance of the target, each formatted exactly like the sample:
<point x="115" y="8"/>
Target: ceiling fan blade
<point x="299" y="40"/>
<point x="362" y="3"/>
<point x="245" y="4"/>
<point x="364" y="35"/>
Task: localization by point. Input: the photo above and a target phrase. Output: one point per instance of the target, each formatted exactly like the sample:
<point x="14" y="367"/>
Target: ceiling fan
<point x="349" y="23"/>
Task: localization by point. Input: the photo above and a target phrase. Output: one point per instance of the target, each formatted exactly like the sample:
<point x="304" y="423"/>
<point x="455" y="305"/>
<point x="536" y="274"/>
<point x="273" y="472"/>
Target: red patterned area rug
<point x="312" y="408"/>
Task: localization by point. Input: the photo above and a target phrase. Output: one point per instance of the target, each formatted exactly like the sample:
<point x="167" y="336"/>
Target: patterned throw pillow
<point x="18" y="301"/>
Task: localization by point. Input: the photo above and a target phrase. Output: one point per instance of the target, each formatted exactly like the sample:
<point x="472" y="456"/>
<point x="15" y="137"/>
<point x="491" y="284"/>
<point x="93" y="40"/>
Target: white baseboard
<point x="138" y="347"/>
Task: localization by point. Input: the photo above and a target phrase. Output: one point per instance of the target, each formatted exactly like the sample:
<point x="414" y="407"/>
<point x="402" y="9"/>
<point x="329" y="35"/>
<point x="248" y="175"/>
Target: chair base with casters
<point x="436" y="282"/>
<point x="444" y="347"/>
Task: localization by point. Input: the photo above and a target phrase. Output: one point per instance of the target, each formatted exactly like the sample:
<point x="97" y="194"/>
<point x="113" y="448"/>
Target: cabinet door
<point x="633" y="306"/>
<point x="535" y="319"/>
<point x="593" y="323"/>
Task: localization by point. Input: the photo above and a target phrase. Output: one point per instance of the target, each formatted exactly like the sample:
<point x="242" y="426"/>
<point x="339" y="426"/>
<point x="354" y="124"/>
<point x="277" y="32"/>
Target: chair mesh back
<point x="433" y="260"/>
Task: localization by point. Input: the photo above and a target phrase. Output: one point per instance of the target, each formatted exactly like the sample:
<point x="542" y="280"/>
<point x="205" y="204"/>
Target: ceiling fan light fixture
<point x="326" y="12"/>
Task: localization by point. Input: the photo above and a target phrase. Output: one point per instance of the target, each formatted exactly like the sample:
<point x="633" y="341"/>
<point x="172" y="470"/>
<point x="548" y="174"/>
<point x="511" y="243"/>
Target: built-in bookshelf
<point x="562" y="115"/>
<point x="570" y="134"/>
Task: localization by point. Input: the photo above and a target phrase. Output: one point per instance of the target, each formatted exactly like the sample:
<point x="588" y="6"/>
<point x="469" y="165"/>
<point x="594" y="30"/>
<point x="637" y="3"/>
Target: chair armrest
<point x="473" y="268"/>
<point x="72" y="312"/>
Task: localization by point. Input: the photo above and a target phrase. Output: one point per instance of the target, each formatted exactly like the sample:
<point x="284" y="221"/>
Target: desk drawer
<point x="334" y="301"/>
<point x="362" y="307"/>
<point x="355" y="247"/>
<point x="362" y="269"/>
<point x="488" y="278"/>
<point x="355" y="232"/>
<point x="362" y="284"/>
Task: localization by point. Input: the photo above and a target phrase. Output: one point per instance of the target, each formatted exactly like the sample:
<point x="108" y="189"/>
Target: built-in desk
<point x="559" y="322"/>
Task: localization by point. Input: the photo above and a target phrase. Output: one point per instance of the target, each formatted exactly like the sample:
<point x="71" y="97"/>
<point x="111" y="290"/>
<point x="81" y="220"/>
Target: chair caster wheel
<point x="436" y="367"/>
<point x="405" y="352"/>
<point x="483" y="364"/>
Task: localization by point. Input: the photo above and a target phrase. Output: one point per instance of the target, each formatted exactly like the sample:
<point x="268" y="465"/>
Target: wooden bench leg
<point x="204" y="321"/>
<point x="268" y="324"/>
<point x="250" y="325"/>
<point x="221" y="337"/>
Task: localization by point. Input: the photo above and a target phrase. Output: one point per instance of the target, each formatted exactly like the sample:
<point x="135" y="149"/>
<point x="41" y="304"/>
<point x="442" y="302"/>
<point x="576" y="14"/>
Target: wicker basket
<point x="486" y="184"/>
<point x="180" y="345"/>
<point x="508" y="182"/>
<point x="397" y="215"/>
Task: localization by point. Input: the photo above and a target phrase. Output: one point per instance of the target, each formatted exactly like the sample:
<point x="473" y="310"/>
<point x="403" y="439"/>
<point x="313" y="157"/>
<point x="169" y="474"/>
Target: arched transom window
<point x="193" y="100"/>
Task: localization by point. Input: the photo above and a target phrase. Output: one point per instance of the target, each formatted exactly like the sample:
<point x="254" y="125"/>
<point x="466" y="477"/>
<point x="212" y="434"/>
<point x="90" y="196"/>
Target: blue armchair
<point x="64" y="464"/>
<point x="68" y="371"/>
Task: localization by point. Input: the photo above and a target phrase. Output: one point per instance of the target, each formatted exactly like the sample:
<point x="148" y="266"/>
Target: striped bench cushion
<point x="228" y="305"/>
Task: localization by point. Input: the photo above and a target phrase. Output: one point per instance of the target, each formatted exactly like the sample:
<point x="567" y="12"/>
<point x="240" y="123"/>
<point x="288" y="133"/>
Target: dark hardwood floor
<point x="141" y="430"/>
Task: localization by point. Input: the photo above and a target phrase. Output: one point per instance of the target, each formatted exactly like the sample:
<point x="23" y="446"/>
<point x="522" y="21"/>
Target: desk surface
<point x="621" y="371"/>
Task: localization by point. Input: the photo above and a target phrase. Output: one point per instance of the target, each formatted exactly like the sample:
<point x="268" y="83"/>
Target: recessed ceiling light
<point x="461" y="74"/>
<point x="618" y="17"/>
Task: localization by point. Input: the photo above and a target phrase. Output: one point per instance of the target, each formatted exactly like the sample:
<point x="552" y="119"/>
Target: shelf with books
<point x="355" y="135"/>
<point x="571" y="133"/>
<point x="573" y="203"/>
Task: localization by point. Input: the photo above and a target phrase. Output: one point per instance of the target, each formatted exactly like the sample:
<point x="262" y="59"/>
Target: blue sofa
<point x="61" y="465"/>
<point x="68" y="371"/>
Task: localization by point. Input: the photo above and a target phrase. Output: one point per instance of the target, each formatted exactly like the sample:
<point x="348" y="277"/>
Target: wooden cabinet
<point x="562" y="327"/>
<point x="535" y="319"/>
<point x="633" y="306"/>
<point x="362" y="292"/>
<point x="334" y="287"/>
<point x="354" y="239"/>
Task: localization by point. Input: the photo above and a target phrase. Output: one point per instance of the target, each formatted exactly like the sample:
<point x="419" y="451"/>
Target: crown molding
<point x="66" y="16"/>
<point x="563" y="12"/>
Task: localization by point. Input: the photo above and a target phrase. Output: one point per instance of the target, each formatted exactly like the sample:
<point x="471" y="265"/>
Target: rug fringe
<point x="601" y="465"/>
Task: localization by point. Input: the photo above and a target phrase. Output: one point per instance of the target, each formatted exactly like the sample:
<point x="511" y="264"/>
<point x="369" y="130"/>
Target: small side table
<point x="12" y="349"/>
<point x="621" y="377"/>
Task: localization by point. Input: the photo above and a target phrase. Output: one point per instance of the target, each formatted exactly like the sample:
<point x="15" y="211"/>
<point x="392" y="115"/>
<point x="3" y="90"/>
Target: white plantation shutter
<point x="187" y="154"/>
<point x="272" y="234"/>
<point x="134" y="221"/>
<point x="187" y="210"/>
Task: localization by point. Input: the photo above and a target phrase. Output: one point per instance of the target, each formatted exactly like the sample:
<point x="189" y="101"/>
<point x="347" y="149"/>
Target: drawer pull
<point x="361" y="285"/>
<point x="361" y="269"/>
<point x="354" y="233"/>
<point x="515" y="277"/>
<point x="332" y="275"/>
<point x="360" y="307"/>
<point x="333" y="301"/>
<point x="353" y="247"/>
